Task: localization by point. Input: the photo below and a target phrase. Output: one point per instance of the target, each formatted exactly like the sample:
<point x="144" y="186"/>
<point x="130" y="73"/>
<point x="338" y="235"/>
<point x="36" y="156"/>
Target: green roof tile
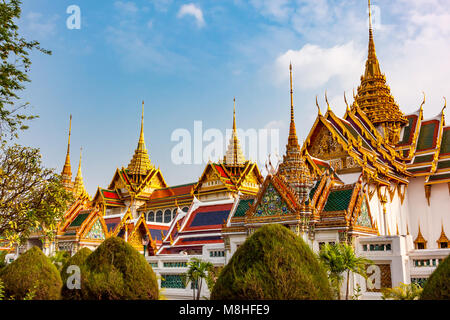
<point x="445" y="144"/>
<point x="79" y="220"/>
<point x="426" y="136"/>
<point x="243" y="207"/>
<point x="338" y="200"/>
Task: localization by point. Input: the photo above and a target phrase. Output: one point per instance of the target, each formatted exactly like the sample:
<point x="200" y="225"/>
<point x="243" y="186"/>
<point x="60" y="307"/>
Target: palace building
<point x="376" y="178"/>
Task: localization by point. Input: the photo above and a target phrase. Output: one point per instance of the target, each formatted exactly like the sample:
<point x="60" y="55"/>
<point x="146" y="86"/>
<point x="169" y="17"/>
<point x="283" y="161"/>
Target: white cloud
<point x="41" y="26"/>
<point x="315" y="66"/>
<point x="277" y="9"/>
<point x="126" y="7"/>
<point x="192" y="10"/>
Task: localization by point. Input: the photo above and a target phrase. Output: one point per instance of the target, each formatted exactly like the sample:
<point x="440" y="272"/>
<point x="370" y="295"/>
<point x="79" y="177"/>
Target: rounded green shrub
<point x="275" y="264"/>
<point x="32" y="275"/>
<point x="117" y="271"/>
<point x="437" y="286"/>
<point x="77" y="259"/>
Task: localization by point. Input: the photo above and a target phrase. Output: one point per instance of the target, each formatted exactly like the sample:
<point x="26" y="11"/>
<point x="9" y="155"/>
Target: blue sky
<point x="188" y="60"/>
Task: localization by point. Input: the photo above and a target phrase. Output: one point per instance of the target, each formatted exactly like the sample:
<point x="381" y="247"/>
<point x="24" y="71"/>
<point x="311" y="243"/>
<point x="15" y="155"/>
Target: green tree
<point x="32" y="275"/>
<point x="339" y="259"/>
<point x="273" y="263"/>
<point x="14" y="67"/>
<point x="402" y="292"/>
<point x="59" y="258"/>
<point x="437" y="286"/>
<point x="197" y="272"/>
<point x="32" y="198"/>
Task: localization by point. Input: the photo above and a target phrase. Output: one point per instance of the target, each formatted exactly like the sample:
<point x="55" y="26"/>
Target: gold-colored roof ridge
<point x="140" y="164"/>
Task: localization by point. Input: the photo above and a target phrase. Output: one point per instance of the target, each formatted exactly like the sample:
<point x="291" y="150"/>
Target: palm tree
<point x="341" y="258"/>
<point x="198" y="270"/>
<point x="331" y="257"/>
<point x="352" y="263"/>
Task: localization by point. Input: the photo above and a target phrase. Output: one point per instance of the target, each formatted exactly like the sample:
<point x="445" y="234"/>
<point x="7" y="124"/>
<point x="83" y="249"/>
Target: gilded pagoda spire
<point x="66" y="172"/>
<point x="292" y="140"/>
<point x="374" y="95"/>
<point x="140" y="164"/>
<point x="293" y="168"/>
<point x="234" y="156"/>
<point x="78" y="187"/>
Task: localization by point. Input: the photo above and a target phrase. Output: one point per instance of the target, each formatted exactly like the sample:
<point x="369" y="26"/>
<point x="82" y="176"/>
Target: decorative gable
<point x="324" y="146"/>
<point x="96" y="232"/>
<point x="272" y="203"/>
<point x="364" y="217"/>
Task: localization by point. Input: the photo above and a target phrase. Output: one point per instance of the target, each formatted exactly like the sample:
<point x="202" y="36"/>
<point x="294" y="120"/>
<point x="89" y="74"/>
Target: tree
<point x="32" y="274"/>
<point x="276" y="264"/>
<point x="437" y="286"/>
<point x="402" y="292"/>
<point x="341" y="258"/>
<point x="32" y="198"/>
<point x="117" y="271"/>
<point x="197" y="272"/>
<point x="15" y="64"/>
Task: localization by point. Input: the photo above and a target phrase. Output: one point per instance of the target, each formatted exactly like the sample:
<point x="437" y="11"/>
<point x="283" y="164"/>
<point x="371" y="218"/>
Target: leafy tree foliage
<point x="32" y="198"/>
<point x="339" y="259"/>
<point x="437" y="286"/>
<point x="410" y="291"/>
<point x="117" y="271"/>
<point x="32" y="275"/>
<point x="77" y="259"/>
<point x="14" y="66"/>
<point x="273" y="263"/>
<point x="197" y="272"/>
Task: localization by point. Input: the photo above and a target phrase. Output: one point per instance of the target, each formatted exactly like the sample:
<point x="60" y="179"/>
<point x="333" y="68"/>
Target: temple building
<point x="375" y="178"/>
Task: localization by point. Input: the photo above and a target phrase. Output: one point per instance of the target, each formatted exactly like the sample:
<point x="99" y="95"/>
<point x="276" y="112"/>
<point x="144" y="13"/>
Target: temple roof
<point x="140" y="163"/>
<point x="234" y="155"/>
<point x="374" y="95"/>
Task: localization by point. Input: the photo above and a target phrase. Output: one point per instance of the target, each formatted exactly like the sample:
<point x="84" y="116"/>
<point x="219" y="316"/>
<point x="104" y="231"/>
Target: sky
<point x="187" y="60"/>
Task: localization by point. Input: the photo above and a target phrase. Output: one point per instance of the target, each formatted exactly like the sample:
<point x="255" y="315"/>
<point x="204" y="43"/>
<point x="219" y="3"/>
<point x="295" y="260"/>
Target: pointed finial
<point x="326" y="100"/>
<point x="370" y="16"/>
<point x="423" y="102"/>
<point x="318" y="108"/>
<point x="445" y="104"/>
<point x="234" y="113"/>
<point x="346" y="103"/>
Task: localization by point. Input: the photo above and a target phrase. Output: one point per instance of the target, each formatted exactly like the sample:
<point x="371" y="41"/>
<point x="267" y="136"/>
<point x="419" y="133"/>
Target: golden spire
<point x="234" y="155"/>
<point x="318" y="107"/>
<point x="66" y="172"/>
<point x="292" y="140"/>
<point x="374" y="95"/>
<point x="78" y="186"/>
<point x="140" y="163"/>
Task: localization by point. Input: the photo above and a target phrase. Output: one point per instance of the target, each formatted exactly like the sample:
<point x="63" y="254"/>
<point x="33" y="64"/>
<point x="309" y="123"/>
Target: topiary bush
<point x="77" y="259"/>
<point x="275" y="264"/>
<point x="32" y="274"/>
<point x="437" y="286"/>
<point x="117" y="271"/>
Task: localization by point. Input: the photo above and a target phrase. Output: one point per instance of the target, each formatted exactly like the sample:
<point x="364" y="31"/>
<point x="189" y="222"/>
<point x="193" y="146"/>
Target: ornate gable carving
<point x="272" y="203"/>
<point x="325" y="147"/>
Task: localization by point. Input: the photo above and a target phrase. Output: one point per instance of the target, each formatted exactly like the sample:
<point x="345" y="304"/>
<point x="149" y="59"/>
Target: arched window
<point x="185" y="209"/>
<point x="174" y="213"/>
<point x="159" y="216"/>
<point x="167" y="216"/>
<point x="151" y="216"/>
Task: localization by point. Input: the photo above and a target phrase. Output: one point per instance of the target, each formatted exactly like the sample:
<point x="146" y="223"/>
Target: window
<point x="159" y="216"/>
<point x="151" y="216"/>
<point x="420" y="245"/>
<point x="174" y="213"/>
<point x="185" y="209"/>
<point x="365" y="247"/>
<point x="167" y="216"/>
<point x="443" y="245"/>
<point x="217" y="253"/>
<point x="174" y="281"/>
